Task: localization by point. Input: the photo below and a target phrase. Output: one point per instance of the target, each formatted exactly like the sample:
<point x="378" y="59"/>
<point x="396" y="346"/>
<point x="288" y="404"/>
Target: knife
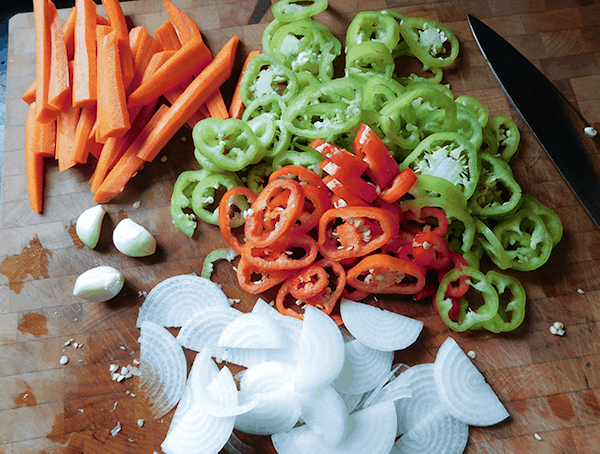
<point x="571" y="142"/>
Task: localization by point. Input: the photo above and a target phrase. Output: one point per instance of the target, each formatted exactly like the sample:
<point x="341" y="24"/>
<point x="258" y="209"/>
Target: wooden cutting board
<point x="549" y="384"/>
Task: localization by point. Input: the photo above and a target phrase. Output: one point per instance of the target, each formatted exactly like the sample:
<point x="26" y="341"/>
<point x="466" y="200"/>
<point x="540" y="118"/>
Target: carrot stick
<point x="85" y="75"/>
<point x="186" y="62"/>
<point x="59" y="86"/>
<point x="186" y="28"/>
<point x="129" y="163"/>
<point x="43" y="61"/>
<point x="66" y="125"/>
<point x="80" y="149"/>
<point x="198" y="115"/>
<point x="112" y="114"/>
<point x="236" y="107"/>
<point x="119" y="24"/>
<point x="143" y="47"/>
<point x="216" y="105"/>
<point x="211" y="78"/>
<point x="34" y="162"/>
<point x="167" y="36"/>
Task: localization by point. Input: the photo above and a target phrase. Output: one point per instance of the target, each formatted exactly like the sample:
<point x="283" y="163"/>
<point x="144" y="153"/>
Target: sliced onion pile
<point x="306" y="385"/>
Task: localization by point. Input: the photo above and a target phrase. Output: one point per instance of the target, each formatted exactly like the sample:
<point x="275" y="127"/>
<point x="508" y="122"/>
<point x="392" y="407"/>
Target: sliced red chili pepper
<point x="226" y="214"/>
<point x="354" y="165"/>
<point x="393" y="208"/>
<point x="328" y="297"/>
<point x="359" y="187"/>
<point x="425" y="292"/>
<point x="264" y="212"/>
<point x="315" y="204"/>
<point x="354" y="231"/>
<point x="427" y="219"/>
<point x="352" y="294"/>
<point x="282" y="255"/>
<point x="309" y="282"/>
<point x="454" y="313"/>
<point x="371" y="149"/>
<point x="302" y="174"/>
<point x="399" y="186"/>
<point x="349" y="198"/>
<point x="460" y="287"/>
<point x="294" y="309"/>
<point x="430" y="250"/>
<point x="381" y="273"/>
<point x="255" y="281"/>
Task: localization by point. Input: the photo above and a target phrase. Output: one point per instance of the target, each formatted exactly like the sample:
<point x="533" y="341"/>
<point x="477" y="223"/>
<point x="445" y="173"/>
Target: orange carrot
<point x="80" y="150"/>
<point x="236" y="107"/>
<point x="167" y="36"/>
<point x="66" y="125"/>
<point x="101" y="20"/>
<point x="186" y="28"/>
<point x="198" y="115"/>
<point x="85" y="74"/>
<point x="186" y="62"/>
<point x="119" y="24"/>
<point x="59" y="86"/>
<point x="129" y="164"/>
<point x="113" y="118"/>
<point x="34" y="162"/>
<point x="216" y="105"/>
<point x="211" y="78"/>
<point x="43" y="62"/>
<point x="143" y="47"/>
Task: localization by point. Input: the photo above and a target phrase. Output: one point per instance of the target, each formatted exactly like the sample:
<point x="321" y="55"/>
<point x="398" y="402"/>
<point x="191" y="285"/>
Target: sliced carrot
<point x="129" y="164"/>
<point x="167" y="36"/>
<point x="198" y="115"/>
<point x="85" y="74"/>
<point x="185" y="62"/>
<point x="80" y="150"/>
<point x="34" y="162"/>
<point x="186" y="28"/>
<point x="143" y="48"/>
<point x="66" y="125"/>
<point x="216" y="105"/>
<point x="112" y="114"/>
<point x="236" y="107"/>
<point x="60" y="85"/>
<point x="211" y="78"/>
<point x="43" y="61"/>
<point x="119" y="24"/>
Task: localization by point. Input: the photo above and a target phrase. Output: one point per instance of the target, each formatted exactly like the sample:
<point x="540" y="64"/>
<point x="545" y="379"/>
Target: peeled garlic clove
<point x="99" y="284"/>
<point x="133" y="240"/>
<point x="88" y="225"/>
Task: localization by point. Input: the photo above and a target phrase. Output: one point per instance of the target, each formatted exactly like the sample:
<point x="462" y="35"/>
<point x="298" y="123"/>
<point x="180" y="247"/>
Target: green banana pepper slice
<point x="205" y="196"/>
<point x="379" y="91"/>
<point x="368" y="59"/>
<point x="181" y="199"/>
<point x="507" y="135"/>
<point x="476" y="106"/>
<point x="492" y="246"/>
<point x="373" y="26"/>
<point x="431" y="41"/>
<point x="309" y="159"/>
<point x="266" y="75"/>
<point x="468" y="317"/>
<point x="258" y="176"/>
<point x="293" y="10"/>
<point x="550" y="218"/>
<point x="214" y="256"/>
<point x="229" y="144"/>
<point x="468" y="125"/>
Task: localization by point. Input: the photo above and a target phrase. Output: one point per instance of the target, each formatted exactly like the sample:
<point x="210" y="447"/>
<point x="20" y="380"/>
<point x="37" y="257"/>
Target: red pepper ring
<point x="303" y="175"/>
<point x="225" y="214"/>
<point x="247" y="275"/>
<point x="354" y="237"/>
<point x="381" y="273"/>
<point x="430" y="250"/>
<point x="460" y="287"/>
<point x="351" y="163"/>
<point x="420" y="220"/>
<point x="328" y="298"/>
<point x="255" y="229"/>
<point x="281" y="255"/>
<point x="343" y="193"/>
<point x="399" y="186"/>
<point x="319" y="201"/>
<point x="309" y="282"/>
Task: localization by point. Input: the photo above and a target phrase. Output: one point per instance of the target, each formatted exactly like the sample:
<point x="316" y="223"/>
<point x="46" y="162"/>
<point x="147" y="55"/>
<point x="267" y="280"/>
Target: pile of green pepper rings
<point x="291" y="97"/>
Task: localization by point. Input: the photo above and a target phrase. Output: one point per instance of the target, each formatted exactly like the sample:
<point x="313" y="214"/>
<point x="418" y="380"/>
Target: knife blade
<point x="568" y="139"/>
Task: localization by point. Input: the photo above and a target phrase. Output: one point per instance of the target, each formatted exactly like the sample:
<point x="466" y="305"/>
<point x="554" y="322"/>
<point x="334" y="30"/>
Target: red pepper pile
<point x="344" y="235"/>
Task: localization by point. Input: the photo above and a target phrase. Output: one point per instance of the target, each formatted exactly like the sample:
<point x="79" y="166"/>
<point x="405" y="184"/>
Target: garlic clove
<point x="89" y="224"/>
<point x="133" y="240"/>
<point x="99" y="284"/>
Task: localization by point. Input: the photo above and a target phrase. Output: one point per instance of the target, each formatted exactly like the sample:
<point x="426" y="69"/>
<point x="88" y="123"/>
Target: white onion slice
<point x="249" y="357"/>
<point x="163" y="368"/>
<point x="438" y="433"/>
<point x="325" y="412"/>
<point x="173" y="301"/>
<point x="371" y="430"/>
<point x="204" y="328"/>
<point x="351" y="400"/>
<point x="463" y="389"/>
<point x="377" y="328"/>
<point x="253" y="330"/>
<point x="262" y="307"/>
<point x="278" y="408"/>
<point x="386" y="391"/>
<point x="363" y="369"/>
<point x="320" y="353"/>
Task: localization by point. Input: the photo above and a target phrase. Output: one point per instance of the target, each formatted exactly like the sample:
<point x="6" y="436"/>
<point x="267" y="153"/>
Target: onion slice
<point x="379" y="329"/>
<point x="438" y="433"/>
<point x="463" y="389"/>
<point x="320" y="353"/>
<point x="253" y="330"/>
<point x="163" y="368"/>
<point x="175" y="300"/>
<point x="363" y="369"/>
<point x="205" y="327"/>
<point x="371" y="430"/>
<point x="326" y="413"/>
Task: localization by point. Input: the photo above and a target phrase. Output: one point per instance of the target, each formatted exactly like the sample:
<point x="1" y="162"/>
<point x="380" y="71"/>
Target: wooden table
<point x="549" y="384"/>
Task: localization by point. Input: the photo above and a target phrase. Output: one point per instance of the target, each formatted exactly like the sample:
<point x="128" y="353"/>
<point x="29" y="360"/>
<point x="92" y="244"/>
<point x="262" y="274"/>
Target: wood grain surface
<point x="549" y="384"/>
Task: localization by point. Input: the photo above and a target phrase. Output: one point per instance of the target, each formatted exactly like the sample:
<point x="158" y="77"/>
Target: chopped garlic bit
<point x="64" y="360"/>
<point x="472" y="354"/>
<point x="580" y="291"/>
<point x="140" y="422"/>
<point x="68" y="342"/>
<point x="558" y="329"/>
<point x="113" y="368"/>
<point x="537" y="437"/>
<point x="590" y="131"/>
<point x="115" y="430"/>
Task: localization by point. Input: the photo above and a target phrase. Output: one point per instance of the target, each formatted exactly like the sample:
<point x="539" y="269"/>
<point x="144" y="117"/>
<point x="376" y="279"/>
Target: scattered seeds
<point x="163" y="159"/>
<point x="136" y="204"/>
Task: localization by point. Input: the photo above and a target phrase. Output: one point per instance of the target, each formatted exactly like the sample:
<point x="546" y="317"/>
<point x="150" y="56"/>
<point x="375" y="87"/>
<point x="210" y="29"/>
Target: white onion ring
<point x="173" y="301"/>
<point x="326" y="413"/>
<point x="204" y="327"/>
<point x="378" y="328"/>
<point x="463" y="389"/>
<point x="252" y="330"/>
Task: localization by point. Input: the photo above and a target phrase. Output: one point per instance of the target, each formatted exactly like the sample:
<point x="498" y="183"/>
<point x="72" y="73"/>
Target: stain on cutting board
<point x="25" y="398"/>
<point x="32" y="261"/>
<point x="33" y="323"/>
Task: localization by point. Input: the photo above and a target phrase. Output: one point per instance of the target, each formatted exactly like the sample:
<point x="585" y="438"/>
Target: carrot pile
<point x="117" y="94"/>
